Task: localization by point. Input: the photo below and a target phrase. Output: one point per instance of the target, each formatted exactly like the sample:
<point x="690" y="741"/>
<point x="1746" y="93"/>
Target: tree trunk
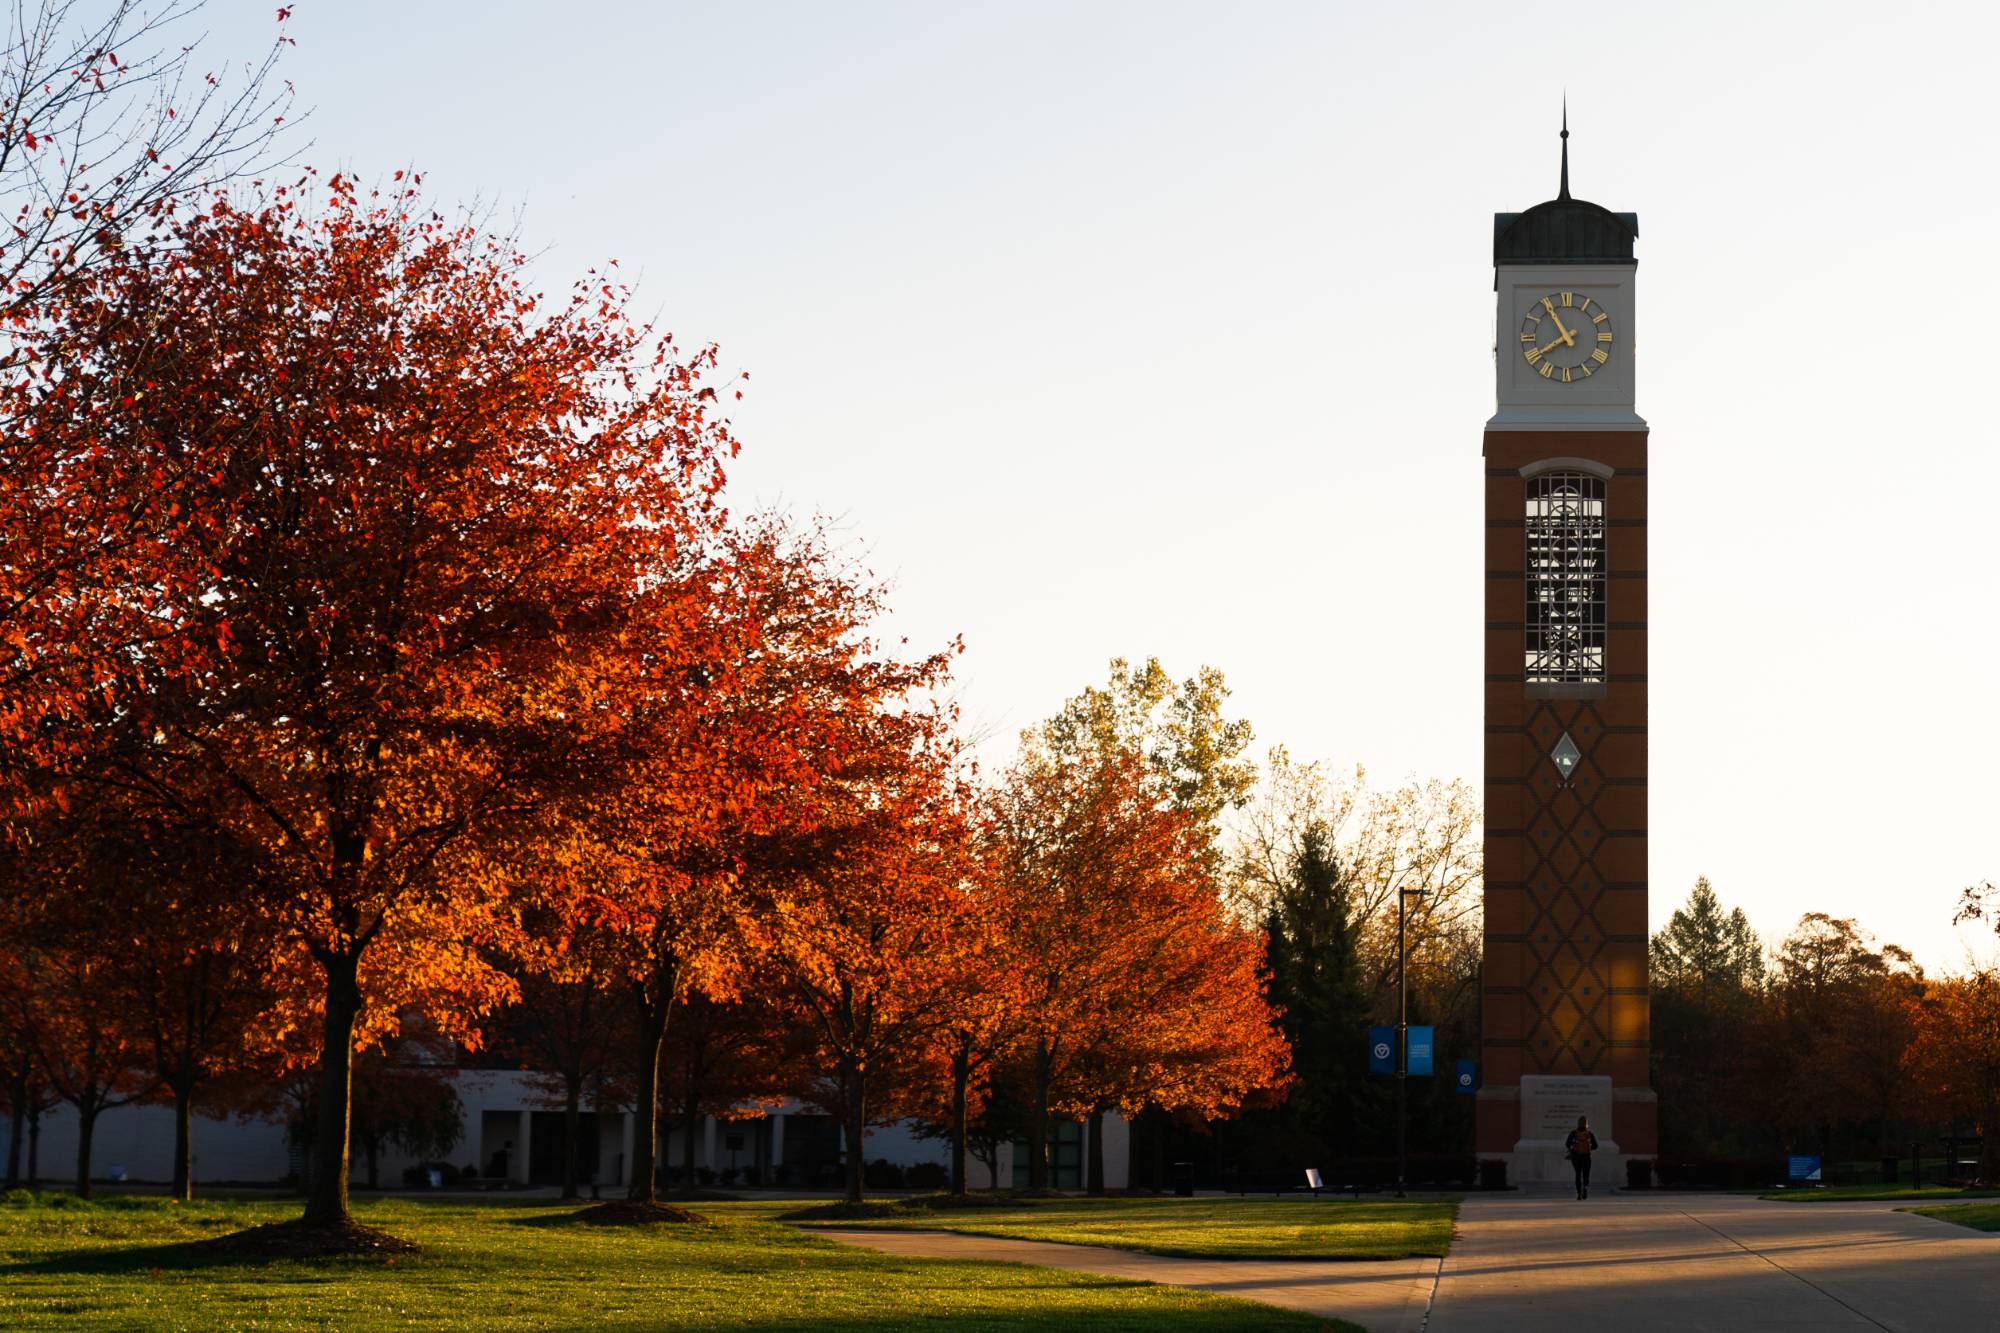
<point x="1989" y="1146"/>
<point x="326" y="1197"/>
<point x="184" y="1139"/>
<point x="86" y="1127"/>
<point x="646" y="1103"/>
<point x="35" y="1145"/>
<point x="572" y="1131"/>
<point x="1161" y="1124"/>
<point x="17" y="1098"/>
<point x="690" y="1122"/>
<point x="1038" y="1127"/>
<point x="961" y="1078"/>
<point x="1094" y="1153"/>
<point x="854" y="1089"/>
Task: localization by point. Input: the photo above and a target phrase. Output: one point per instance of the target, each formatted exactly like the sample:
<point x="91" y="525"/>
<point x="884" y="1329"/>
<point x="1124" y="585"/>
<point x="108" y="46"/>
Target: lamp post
<point x="1403" y="897"/>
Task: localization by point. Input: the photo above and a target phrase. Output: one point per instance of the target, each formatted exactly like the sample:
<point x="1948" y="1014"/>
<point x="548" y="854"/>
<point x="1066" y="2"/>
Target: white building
<point x="512" y="1131"/>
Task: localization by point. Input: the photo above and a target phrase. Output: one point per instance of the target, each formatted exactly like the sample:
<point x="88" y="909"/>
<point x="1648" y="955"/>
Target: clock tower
<point x="1564" y="1012"/>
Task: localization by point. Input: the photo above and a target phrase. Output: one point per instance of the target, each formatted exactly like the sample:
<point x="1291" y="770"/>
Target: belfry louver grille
<point x="1565" y="579"/>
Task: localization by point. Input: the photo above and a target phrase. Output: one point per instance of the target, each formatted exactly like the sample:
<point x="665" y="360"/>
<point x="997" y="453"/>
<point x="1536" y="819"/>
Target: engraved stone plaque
<point x="1550" y="1104"/>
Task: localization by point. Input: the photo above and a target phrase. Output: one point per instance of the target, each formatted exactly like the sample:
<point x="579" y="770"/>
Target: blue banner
<point x="1420" y="1051"/>
<point x="1804" y="1168"/>
<point x="1381" y="1050"/>
<point x="1468" y="1076"/>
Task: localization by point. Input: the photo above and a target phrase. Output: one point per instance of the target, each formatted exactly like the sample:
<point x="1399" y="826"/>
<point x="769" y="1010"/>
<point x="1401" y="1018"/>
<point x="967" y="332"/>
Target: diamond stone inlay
<point x="1566" y="756"/>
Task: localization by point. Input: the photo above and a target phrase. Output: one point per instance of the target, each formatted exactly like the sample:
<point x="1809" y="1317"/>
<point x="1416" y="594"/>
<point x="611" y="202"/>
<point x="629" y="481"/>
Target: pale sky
<point x="1167" y="329"/>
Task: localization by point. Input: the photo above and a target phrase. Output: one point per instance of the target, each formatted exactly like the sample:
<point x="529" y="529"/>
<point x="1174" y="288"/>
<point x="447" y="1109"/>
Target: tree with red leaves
<point x="106" y="122"/>
<point x="867" y="910"/>
<point x="980" y="1020"/>
<point x="1137" y="987"/>
<point x="735" y="1060"/>
<point x="750" y="753"/>
<point x="431" y="525"/>
<point x="91" y="1052"/>
<point x="189" y="953"/>
<point x="570" y="1026"/>
<point x="1953" y="1057"/>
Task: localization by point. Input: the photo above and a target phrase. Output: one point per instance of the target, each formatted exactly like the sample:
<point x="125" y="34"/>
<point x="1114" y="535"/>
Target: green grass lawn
<point x="1851" y="1193"/>
<point x="494" y="1266"/>
<point x="1978" y="1216"/>
<point x="1207" y="1228"/>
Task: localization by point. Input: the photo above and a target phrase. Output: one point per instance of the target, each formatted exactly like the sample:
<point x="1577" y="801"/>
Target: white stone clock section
<point x="1602" y="401"/>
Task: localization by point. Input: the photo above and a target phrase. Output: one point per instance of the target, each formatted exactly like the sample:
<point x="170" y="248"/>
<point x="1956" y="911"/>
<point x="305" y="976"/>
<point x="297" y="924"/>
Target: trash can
<point x="1638" y="1174"/>
<point x="1184" y="1179"/>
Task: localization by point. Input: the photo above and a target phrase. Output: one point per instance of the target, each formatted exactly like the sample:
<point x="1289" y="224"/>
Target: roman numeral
<point x="1600" y="356"/>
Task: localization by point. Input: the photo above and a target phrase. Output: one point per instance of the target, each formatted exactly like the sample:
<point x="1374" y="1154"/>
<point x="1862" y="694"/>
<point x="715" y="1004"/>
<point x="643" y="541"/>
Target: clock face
<point x="1566" y="337"/>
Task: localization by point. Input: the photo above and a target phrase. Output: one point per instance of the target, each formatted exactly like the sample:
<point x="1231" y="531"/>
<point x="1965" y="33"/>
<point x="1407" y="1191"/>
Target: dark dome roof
<point x="1564" y="231"/>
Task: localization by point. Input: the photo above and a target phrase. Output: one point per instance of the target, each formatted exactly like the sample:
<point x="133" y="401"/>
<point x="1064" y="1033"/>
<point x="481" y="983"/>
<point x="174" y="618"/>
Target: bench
<point x="1318" y="1185"/>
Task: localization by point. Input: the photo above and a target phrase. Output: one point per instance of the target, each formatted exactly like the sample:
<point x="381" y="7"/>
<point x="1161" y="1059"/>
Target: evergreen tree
<point x="1708" y="977"/>
<point x="1316" y="977"/>
<point x="1703" y="949"/>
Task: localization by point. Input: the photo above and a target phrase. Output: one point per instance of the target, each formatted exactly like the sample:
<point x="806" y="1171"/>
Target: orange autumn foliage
<point x="428" y="526"/>
<point x="864" y="918"/>
<point x="1137" y="987"/>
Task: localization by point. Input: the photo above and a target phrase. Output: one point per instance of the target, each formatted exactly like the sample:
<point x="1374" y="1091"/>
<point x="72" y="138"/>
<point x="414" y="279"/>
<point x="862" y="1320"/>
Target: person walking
<point x="1580" y="1145"/>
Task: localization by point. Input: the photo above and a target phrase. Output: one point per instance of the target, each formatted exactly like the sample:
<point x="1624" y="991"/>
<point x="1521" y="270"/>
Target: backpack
<point x="1581" y="1143"/>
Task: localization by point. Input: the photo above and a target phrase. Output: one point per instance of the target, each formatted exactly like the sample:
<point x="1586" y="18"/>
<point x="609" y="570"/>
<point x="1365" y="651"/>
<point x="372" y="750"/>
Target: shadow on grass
<point x="614" y="1213"/>
<point x="920" y="1205"/>
<point x="1240" y="1318"/>
<point x="253" y="1247"/>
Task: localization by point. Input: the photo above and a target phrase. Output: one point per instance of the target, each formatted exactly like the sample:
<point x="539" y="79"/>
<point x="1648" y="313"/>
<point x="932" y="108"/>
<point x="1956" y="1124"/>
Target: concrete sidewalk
<point x="1382" y="1296"/>
<point x="1637" y="1263"/>
<point x="1631" y="1263"/>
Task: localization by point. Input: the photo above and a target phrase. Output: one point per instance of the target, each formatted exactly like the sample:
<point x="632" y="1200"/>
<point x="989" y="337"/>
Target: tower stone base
<point x="1539" y="1115"/>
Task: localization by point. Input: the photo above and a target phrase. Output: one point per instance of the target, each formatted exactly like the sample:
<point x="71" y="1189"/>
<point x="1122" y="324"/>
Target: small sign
<point x="733" y="1141"/>
<point x="1805" y="1169"/>
<point x="1381" y="1050"/>
<point x="1468" y="1076"/>
<point x="1421" y="1043"/>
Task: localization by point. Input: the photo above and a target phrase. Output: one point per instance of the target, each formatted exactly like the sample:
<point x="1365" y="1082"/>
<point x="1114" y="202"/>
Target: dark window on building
<point x="1065" y="1156"/>
<point x="1565" y="579"/>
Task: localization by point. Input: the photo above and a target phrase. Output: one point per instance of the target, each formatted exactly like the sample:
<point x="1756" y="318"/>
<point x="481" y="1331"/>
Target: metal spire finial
<point x="1564" y="193"/>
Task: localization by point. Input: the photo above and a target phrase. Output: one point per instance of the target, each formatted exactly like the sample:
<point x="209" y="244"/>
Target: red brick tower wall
<point x="1564" y="983"/>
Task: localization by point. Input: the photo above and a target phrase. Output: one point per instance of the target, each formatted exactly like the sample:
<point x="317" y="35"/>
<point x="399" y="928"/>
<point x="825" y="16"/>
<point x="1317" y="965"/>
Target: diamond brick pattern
<point x="1563" y="988"/>
<point x="1566" y="993"/>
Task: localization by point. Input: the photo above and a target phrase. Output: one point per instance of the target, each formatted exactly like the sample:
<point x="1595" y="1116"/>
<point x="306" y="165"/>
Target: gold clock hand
<point x="1568" y="338"/>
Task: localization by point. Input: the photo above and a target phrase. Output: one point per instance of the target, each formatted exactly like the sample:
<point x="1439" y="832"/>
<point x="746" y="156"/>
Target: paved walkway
<point x="1643" y="1262"/>
<point x="1386" y="1297"/>
<point x="1630" y="1263"/>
